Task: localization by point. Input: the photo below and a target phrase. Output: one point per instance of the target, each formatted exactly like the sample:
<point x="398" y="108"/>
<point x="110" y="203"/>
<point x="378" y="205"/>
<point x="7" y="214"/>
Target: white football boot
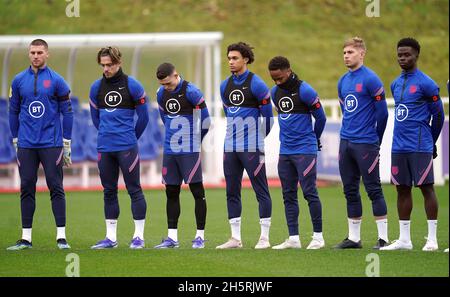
<point x="316" y="243"/>
<point x="430" y="246"/>
<point x="232" y="243"/>
<point x="288" y="244"/>
<point x="263" y="243"/>
<point x="398" y="245"/>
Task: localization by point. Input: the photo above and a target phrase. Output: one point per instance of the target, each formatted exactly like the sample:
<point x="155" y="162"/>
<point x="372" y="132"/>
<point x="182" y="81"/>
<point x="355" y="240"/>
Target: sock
<point x="354" y="230"/>
<point x="236" y="228"/>
<point x="201" y="234"/>
<point x="265" y="227"/>
<point x="318" y="236"/>
<point x="111" y="230"/>
<point x="173" y="234"/>
<point x="26" y="234"/>
<point x="295" y="238"/>
<point x="432" y="226"/>
<point x="405" y="234"/>
<point x="139" y="229"/>
<point x="60" y="232"/>
<point x="382" y="226"/>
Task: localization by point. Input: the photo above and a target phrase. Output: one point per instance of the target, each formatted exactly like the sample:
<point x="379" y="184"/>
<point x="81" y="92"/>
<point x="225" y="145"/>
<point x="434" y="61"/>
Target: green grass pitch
<point x="85" y="226"/>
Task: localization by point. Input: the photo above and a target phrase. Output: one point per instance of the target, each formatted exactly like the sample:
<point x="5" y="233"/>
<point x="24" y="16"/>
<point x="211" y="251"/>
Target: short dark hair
<point x="164" y="70"/>
<point x="279" y="62"/>
<point x="37" y="42"/>
<point x="409" y="41"/>
<point x="245" y="50"/>
<point x="112" y="52"/>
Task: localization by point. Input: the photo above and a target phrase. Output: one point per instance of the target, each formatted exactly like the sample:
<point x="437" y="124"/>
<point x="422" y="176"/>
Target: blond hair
<point x="356" y="41"/>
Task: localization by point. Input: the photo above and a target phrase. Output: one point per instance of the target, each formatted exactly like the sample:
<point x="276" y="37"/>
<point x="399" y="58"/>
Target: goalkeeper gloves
<point x="67" y="152"/>
<point x="15" y="144"/>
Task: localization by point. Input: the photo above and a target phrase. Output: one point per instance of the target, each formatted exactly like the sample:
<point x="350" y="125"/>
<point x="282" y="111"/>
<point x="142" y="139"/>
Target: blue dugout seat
<point x="151" y="140"/>
<point x="78" y="132"/>
<point x="90" y="144"/>
<point x="7" y="151"/>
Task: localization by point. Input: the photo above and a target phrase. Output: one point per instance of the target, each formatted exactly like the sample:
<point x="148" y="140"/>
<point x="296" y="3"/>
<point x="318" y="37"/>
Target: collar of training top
<point x="291" y="84"/>
<point x="115" y="78"/>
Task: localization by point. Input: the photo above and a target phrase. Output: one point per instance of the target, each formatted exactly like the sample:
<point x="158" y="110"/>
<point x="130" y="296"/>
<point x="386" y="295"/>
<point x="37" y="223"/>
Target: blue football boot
<point x="21" y="244"/>
<point x="198" y="243"/>
<point x="104" y="244"/>
<point x="137" y="243"/>
<point x="167" y="243"/>
<point x="62" y="244"/>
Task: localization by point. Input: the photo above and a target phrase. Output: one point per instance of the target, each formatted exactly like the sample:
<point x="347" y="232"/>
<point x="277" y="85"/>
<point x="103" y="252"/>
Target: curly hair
<point x="408" y="41"/>
<point x="279" y="63"/>
<point x="245" y="50"/>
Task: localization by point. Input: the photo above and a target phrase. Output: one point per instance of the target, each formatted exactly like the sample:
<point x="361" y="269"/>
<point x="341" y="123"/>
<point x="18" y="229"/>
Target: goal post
<point x="207" y="44"/>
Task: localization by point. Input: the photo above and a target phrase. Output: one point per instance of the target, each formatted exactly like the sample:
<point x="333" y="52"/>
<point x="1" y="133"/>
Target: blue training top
<point x="178" y="110"/>
<point x="113" y="103"/>
<point x="417" y="99"/>
<point x="297" y="135"/>
<point x="37" y="101"/>
<point x="362" y="99"/>
<point x="246" y="102"/>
